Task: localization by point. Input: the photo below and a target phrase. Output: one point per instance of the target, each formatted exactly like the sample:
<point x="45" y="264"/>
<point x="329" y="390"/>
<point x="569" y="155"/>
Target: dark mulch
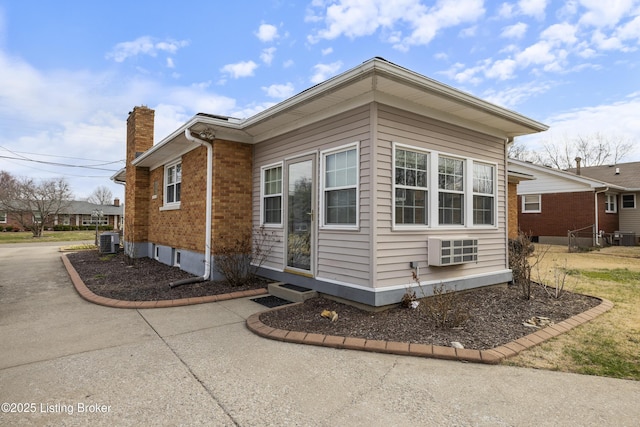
<point x="495" y="317"/>
<point x="146" y="280"/>
<point x="495" y="314"/>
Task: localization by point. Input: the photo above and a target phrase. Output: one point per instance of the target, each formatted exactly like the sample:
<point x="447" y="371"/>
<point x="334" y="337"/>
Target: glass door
<point x="300" y="214"/>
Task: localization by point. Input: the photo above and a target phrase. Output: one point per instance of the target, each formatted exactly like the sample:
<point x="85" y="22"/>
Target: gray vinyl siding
<point x="629" y="217"/>
<point x="341" y="255"/>
<point x="395" y="249"/>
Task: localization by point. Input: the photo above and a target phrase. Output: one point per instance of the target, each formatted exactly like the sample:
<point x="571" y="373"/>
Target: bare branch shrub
<point x="523" y="257"/>
<point x="240" y="260"/>
<point x="444" y="308"/>
<point x="558" y="286"/>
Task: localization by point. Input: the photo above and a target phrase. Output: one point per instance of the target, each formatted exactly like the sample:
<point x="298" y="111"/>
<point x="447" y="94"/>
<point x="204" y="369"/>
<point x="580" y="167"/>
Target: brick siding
<point x="562" y="212"/>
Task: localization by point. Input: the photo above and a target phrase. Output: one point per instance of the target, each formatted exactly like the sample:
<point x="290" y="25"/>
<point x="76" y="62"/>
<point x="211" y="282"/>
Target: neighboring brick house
<point x="359" y="181"/>
<point x="557" y="202"/>
<point x="78" y="214"/>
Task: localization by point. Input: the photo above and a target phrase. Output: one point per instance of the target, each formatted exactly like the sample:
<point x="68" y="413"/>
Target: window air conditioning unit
<point x="109" y="243"/>
<point x="443" y="252"/>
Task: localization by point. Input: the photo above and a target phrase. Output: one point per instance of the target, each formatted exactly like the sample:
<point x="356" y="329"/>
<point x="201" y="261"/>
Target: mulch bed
<point x="495" y="315"/>
<point x="146" y="280"/>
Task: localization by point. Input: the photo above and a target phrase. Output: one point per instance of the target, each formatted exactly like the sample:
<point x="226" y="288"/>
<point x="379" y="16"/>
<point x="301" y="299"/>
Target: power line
<point x="26" y="159"/>
<point x="62" y="157"/>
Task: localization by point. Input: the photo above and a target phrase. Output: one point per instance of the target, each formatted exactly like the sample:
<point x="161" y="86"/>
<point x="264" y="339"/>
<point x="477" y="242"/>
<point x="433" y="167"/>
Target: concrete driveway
<point x="64" y="361"/>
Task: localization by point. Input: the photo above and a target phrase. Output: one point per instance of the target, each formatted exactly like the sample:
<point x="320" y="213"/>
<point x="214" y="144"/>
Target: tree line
<point x="34" y="203"/>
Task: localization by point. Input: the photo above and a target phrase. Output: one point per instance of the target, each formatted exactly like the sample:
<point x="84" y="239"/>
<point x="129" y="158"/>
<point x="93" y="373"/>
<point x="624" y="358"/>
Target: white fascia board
<point x="459" y="96"/>
<point x="561" y="174"/>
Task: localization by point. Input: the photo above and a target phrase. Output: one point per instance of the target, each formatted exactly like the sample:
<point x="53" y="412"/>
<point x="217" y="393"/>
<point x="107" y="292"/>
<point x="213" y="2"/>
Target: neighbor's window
<point x="628" y="201"/>
<point x="411" y="187"/>
<point x="483" y="194"/>
<point x="450" y="191"/>
<point x="173" y="182"/>
<point x="272" y="195"/>
<point x="3" y="217"/>
<point x="531" y="203"/>
<point x="340" y="182"/>
<point x="610" y="203"/>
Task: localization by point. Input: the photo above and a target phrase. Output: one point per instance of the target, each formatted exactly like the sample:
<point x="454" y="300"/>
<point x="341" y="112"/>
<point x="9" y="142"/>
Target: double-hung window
<point x="483" y="194"/>
<point x="450" y="191"/>
<point x="340" y="186"/>
<point x="272" y="195"/>
<point x="531" y="203"/>
<point x="628" y="201"/>
<point x="411" y="187"/>
<point x="3" y="217"/>
<point x="173" y="183"/>
<point x="610" y="204"/>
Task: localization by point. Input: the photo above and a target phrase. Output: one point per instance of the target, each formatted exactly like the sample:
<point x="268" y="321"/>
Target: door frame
<point x="312" y="156"/>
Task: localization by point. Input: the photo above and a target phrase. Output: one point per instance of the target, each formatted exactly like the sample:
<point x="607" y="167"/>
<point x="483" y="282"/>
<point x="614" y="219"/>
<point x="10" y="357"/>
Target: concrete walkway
<point x="66" y="361"/>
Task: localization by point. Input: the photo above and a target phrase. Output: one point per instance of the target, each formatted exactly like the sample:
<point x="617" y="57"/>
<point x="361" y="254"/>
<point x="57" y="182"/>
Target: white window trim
<point x="613" y="197"/>
<point x="494" y="194"/>
<point x="429" y="190"/>
<point x="323" y="155"/>
<point x="467" y="215"/>
<point x="172" y="205"/>
<point x="3" y="219"/>
<point x="434" y="192"/>
<point x="262" y="195"/>
<point x="634" y="201"/>
<point x="177" y="255"/>
<point x="532" y="210"/>
<point x="156" y="252"/>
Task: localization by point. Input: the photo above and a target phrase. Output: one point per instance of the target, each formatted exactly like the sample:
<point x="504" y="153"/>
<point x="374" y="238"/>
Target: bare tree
<point x="519" y="151"/>
<point x="595" y="149"/>
<point x="33" y="204"/>
<point x="101" y="196"/>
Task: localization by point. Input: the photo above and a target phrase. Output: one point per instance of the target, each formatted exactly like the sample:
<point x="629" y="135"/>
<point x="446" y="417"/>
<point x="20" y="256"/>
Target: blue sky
<point x="71" y="71"/>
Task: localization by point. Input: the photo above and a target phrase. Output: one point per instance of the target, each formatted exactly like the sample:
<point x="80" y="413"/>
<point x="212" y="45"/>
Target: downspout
<point x="597" y="242"/>
<point x="508" y="141"/>
<point x="208" y="209"/>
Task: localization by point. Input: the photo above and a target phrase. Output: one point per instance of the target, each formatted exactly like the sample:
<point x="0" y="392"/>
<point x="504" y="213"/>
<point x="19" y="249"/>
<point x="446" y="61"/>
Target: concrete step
<point x="290" y="292"/>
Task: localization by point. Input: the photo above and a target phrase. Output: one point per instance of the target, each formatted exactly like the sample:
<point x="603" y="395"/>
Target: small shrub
<point x="9" y="228"/>
<point x="444" y="308"/>
<point x="239" y="261"/>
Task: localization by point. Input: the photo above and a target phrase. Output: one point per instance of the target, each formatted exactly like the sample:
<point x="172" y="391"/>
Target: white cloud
<point x="322" y="72"/>
<point x="630" y="30"/>
<point x="288" y="63"/>
<point x="170" y="63"/>
<point x="145" y="45"/>
<point x="618" y="118"/>
<point x="534" y="8"/>
<point x="252" y="110"/>
<point x="469" y="32"/>
<point x="240" y="69"/>
<point x="515" y="31"/>
<point x="502" y="69"/>
<point x="267" y="55"/>
<point x="327" y="51"/>
<point x="279" y="91"/>
<point x="358" y="18"/>
<point x="606" y="13"/>
<point x="505" y="11"/>
<point x="267" y="33"/>
<point x="538" y="53"/>
<point x="513" y="96"/>
<point x="560" y="33"/>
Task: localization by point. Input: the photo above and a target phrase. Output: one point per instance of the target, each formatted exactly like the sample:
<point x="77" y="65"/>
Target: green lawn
<point x="609" y="345"/>
<point x="48" y="236"/>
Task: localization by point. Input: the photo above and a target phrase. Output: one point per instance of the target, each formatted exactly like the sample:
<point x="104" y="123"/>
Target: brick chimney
<point x="116" y="202"/>
<point x="578" y="160"/>
<point x="139" y="139"/>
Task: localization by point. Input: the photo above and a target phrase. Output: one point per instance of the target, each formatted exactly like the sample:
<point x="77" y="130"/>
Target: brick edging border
<point x="492" y="356"/>
<point x="88" y="295"/>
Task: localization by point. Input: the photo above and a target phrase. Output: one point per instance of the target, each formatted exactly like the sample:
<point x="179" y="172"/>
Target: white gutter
<point x="208" y="210"/>
<point x="597" y="220"/>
